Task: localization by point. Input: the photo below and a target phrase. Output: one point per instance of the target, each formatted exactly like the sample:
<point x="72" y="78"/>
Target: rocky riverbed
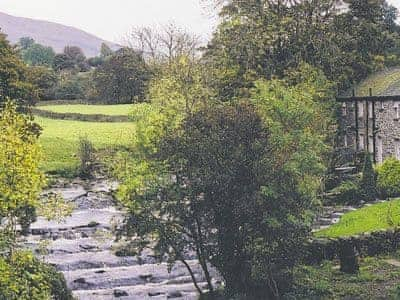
<point x="82" y="247"/>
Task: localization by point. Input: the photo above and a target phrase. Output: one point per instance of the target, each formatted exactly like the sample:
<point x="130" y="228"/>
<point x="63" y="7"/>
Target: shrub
<point x="389" y="178"/>
<point x="86" y="157"/>
<point x="348" y="192"/>
<point x="69" y="88"/>
<point x="368" y="180"/>
<point x="23" y="277"/>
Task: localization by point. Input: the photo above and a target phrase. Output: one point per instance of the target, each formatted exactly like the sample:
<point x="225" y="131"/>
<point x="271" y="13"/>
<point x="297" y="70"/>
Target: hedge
<point x="79" y="117"/>
<point x="368" y="244"/>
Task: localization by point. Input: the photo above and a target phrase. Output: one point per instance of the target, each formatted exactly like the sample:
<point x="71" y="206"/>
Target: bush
<point x="389" y="178"/>
<point x="348" y="192"/>
<point x="23" y="277"/>
<point x="69" y="88"/>
<point x="86" y="157"/>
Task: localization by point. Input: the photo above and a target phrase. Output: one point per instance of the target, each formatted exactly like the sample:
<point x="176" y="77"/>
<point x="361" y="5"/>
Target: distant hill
<point x="383" y="83"/>
<point x="51" y="34"/>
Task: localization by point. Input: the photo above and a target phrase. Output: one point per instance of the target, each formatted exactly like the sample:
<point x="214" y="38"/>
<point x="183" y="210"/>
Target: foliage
<point x="366" y="219"/>
<point x="69" y="87"/>
<point x="24" y="278"/>
<point x="72" y="58"/>
<point x="20" y="178"/>
<point x="35" y="54"/>
<point x="299" y="114"/>
<point x="105" y="50"/>
<point x="45" y="81"/>
<point x="86" y="157"/>
<point x="388" y="181"/>
<point x="221" y="195"/>
<point x="348" y="192"/>
<point x="122" y="78"/>
<point x="54" y="207"/>
<point x="368" y="180"/>
<point x="13" y="76"/>
<point x="263" y="39"/>
<point x="376" y="280"/>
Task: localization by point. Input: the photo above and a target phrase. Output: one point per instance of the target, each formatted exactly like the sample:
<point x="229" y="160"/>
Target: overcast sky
<point x="112" y="19"/>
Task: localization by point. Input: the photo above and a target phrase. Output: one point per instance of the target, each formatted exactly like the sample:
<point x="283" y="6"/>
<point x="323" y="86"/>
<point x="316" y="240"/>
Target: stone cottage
<point x="370" y="123"/>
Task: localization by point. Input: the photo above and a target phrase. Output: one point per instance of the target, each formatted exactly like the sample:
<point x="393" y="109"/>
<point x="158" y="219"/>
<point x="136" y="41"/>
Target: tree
<point x="263" y="39"/>
<point x="166" y="43"/>
<point x="72" y="58"/>
<point x="105" y="51"/>
<point x="222" y="193"/>
<point x="235" y="183"/>
<point x="38" y="55"/>
<point x="21" y="180"/>
<point x="21" y="275"/>
<point x="26" y="42"/>
<point x="62" y="62"/>
<point x="13" y="76"/>
<point x="44" y="79"/>
<point x="122" y="78"/>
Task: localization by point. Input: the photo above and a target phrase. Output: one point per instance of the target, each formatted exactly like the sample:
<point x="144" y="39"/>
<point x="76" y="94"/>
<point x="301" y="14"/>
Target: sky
<point x="113" y="19"/>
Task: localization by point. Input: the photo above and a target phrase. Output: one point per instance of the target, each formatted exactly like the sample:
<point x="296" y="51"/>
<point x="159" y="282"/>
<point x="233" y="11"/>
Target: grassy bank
<point x="377" y="279"/>
<point x="367" y="219"/>
<point x="60" y="138"/>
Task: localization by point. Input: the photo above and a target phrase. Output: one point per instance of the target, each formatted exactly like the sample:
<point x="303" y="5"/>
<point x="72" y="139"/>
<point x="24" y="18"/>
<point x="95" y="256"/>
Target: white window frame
<point x="344" y="109"/>
<point x="360" y="109"/>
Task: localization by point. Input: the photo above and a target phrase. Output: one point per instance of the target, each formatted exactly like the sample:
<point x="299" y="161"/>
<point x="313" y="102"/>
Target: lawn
<point x="109" y="110"/>
<point x="367" y="219"/>
<point x="377" y="279"/>
<point x="60" y="138"/>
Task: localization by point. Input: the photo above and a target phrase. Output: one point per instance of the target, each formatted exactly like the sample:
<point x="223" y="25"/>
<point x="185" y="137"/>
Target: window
<point x="371" y="144"/>
<point x="370" y="112"/>
<point x="344" y="109"/>
<point x="360" y="109"/>
<point x="396" y="110"/>
<point x="361" y="142"/>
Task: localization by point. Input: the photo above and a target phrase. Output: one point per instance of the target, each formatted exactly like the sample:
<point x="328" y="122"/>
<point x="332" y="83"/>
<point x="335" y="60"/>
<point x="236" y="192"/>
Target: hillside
<point x="51" y="34"/>
<point x="386" y="82"/>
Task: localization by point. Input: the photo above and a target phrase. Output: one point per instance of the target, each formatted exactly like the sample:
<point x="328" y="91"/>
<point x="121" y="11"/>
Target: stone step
<point x="105" y="217"/>
<point x="185" y="291"/>
<point x="69" y="246"/>
<point x="109" y="278"/>
<point x="94" y="260"/>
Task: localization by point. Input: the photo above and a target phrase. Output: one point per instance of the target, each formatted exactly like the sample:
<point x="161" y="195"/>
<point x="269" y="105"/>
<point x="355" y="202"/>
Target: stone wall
<point x="386" y="113"/>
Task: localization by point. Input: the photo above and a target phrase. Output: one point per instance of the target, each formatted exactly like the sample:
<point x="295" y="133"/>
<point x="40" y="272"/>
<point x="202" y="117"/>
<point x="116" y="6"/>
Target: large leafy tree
<point x="21" y="180"/>
<point x="13" y="76"/>
<point x="262" y="39"/>
<point x="36" y="54"/>
<point x="122" y="78"/>
<point x="21" y="275"/>
<point x="234" y="184"/>
<point x="72" y="59"/>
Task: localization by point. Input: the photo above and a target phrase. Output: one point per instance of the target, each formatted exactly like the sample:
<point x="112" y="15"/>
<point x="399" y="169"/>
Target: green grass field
<point x="110" y="110"/>
<point x="60" y="138"/>
<point x="367" y="219"/>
